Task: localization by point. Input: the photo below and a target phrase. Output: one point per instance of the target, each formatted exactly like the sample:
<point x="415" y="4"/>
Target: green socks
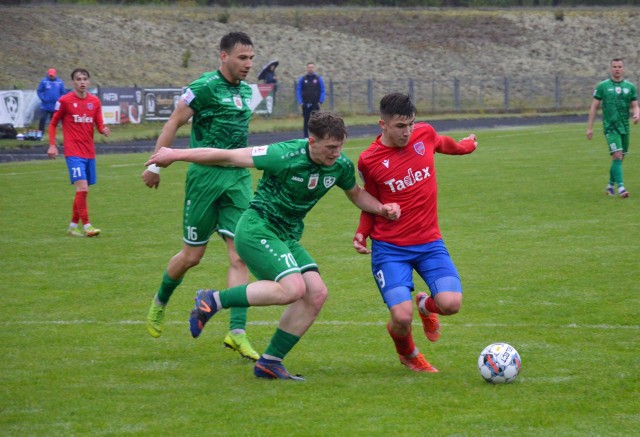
<point x="234" y="297"/>
<point x="167" y="288"/>
<point x="616" y="172"/>
<point x="281" y="343"/>
<point x="237" y="318"/>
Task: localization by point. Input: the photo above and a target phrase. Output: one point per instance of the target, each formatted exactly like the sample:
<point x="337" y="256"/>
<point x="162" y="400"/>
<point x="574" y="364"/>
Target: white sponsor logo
<point x="188" y="96"/>
<point x="259" y="150"/>
<point x="82" y="119"/>
<point x="410" y="179"/>
<point x="386" y="163"/>
<point x="297" y="179"/>
<point x="329" y="181"/>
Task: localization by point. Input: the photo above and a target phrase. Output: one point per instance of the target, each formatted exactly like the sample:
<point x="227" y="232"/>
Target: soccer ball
<point x="499" y="363"/>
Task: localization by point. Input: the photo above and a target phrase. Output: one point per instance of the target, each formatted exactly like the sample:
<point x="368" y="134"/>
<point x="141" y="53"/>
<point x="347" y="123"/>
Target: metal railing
<point x="500" y="94"/>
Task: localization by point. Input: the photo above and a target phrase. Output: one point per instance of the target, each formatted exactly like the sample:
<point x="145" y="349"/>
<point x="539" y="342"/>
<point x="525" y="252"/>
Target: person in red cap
<point x="51" y="88"/>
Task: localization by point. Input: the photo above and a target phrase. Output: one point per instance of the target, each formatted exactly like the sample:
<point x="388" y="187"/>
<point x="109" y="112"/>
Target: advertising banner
<point x="263" y="98"/>
<point x="18" y="107"/>
<point x="159" y="103"/>
<point x="121" y="105"/>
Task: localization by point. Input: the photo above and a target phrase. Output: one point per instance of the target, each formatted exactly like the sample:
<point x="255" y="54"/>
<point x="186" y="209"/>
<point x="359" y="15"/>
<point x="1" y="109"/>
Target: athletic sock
<point x="83" y="209"/>
<point x="404" y="345"/>
<point x="167" y="288"/>
<point x="75" y="212"/>
<point x="237" y="318"/>
<point x="616" y="169"/>
<point x="431" y="306"/>
<point x="281" y="344"/>
<point x="234" y="297"/>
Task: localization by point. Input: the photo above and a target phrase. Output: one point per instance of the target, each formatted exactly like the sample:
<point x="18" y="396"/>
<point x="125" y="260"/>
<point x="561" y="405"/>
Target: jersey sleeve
<point x="197" y="94"/>
<point x="99" y="119"/>
<point x="272" y="157"/>
<point x="449" y="146"/>
<point x="55" y="119"/>
<point x="348" y="178"/>
<point x="598" y="93"/>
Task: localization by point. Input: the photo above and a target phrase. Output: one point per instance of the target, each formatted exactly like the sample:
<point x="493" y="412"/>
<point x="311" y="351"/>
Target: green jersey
<point x="292" y="183"/>
<point x="616" y="99"/>
<point x="222" y="112"/>
<point x="215" y="197"/>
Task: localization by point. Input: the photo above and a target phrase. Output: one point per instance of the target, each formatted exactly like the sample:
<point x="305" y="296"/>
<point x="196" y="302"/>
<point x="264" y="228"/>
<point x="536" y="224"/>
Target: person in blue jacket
<point x="310" y="93"/>
<point x="51" y="88"/>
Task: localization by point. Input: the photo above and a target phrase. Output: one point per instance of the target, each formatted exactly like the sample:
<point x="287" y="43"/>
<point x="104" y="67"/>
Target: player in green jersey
<point x="617" y="96"/>
<point x="215" y="197"/>
<point x="296" y="175"/>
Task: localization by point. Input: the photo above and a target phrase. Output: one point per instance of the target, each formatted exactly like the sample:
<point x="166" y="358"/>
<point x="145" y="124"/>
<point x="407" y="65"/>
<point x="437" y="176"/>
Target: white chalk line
<point x="323" y="322"/>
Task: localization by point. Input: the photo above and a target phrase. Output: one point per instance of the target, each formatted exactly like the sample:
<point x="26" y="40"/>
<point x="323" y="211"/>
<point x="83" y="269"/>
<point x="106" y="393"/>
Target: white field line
<point x="320" y="322"/>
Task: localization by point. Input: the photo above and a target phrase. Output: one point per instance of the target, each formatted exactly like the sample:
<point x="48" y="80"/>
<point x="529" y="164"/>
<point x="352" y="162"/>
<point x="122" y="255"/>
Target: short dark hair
<point x="323" y="125"/>
<point x="397" y="104"/>
<point x="230" y="40"/>
<point x="81" y="71"/>
<point x="617" y="60"/>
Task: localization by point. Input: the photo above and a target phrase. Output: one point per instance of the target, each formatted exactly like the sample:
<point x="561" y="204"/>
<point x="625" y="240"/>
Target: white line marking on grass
<point x="321" y="322"/>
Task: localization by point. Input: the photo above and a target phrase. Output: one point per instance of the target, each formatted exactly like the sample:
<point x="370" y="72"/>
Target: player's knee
<point x="190" y="258"/>
<point x="450" y="306"/>
<point x="293" y="288"/>
<point x="318" y="297"/>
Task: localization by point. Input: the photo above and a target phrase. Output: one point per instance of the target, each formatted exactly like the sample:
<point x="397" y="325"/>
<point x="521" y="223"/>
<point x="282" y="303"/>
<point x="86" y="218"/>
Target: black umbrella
<point x="265" y="68"/>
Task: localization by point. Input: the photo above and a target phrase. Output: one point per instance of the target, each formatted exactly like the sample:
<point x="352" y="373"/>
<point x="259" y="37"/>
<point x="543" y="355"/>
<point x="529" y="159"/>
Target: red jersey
<point x="78" y="117"/>
<point x="406" y="176"/>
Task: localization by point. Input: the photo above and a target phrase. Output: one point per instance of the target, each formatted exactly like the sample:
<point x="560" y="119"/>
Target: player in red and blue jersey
<point x="79" y="111"/>
<point x="398" y="167"/>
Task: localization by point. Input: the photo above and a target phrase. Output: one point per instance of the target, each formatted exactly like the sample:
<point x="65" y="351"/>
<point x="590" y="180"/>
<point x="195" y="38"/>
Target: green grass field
<point x="549" y="264"/>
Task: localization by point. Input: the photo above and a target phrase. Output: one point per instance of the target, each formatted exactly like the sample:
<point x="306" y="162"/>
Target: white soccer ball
<point x="499" y="363"/>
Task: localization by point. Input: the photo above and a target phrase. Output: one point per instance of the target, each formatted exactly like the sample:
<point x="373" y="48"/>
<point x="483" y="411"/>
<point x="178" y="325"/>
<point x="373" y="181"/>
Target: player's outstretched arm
<point x="203" y="155"/>
<point x="366" y="202"/>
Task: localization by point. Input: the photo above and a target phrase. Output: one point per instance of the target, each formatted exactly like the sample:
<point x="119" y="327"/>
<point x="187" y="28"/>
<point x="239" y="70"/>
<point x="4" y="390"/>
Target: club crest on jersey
<point x="419" y="148"/>
<point x="90" y="105"/>
<point x="313" y="181"/>
<point x="238" y="101"/>
<point x="329" y="181"/>
<point x="618" y="90"/>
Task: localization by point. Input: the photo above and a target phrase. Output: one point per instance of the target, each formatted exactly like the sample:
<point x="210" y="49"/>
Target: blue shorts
<point x="81" y="169"/>
<point x="393" y="267"/>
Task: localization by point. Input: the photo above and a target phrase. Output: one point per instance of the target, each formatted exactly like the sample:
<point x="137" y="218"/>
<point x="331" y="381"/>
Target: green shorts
<point x="617" y="142"/>
<point x="268" y="253"/>
<point x="215" y="198"/>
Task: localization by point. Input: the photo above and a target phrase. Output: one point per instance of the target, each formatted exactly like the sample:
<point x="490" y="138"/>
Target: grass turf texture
<point x="548" y="263"/>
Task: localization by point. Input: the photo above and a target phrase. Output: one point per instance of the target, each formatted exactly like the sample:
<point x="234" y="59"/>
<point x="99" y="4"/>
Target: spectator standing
<point x="310" y="93"/>
<point x="617" y="96"/>
<point x="268" y="76"/>
<point x="78" y="111"/>
<point x="50" y="89"/>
